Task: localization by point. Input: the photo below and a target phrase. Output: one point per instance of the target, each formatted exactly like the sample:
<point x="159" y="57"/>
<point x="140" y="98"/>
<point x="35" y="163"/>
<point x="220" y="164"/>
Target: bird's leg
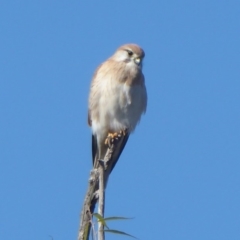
<point x="113" y="137"/>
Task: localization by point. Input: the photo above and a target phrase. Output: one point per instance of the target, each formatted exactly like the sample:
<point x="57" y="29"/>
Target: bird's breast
<point x="121" y="100"/>
<point x="124" y="108"/>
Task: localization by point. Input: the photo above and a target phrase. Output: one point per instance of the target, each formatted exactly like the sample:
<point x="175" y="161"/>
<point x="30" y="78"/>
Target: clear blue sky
<point x="179" y="173"/>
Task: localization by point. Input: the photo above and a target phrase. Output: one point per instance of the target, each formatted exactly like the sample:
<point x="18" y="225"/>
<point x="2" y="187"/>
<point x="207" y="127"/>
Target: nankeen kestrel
<point x="117" y="100"/>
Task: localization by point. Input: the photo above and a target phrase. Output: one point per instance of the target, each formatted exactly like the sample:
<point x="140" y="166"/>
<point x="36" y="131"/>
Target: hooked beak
<point x="137" y="60"/>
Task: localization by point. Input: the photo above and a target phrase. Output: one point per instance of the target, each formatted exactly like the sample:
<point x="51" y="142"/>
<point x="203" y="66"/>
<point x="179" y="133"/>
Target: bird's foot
<point x="113" y="137"/>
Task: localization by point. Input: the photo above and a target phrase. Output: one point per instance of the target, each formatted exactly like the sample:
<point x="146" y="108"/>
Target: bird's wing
<point x="119" y="146"/>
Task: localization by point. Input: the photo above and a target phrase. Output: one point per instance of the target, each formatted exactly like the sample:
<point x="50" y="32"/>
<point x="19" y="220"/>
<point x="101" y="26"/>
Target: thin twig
<point x="101" y="201"/>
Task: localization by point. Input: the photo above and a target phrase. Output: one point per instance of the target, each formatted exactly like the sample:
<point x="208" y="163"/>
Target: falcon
<point x="117" y="100"/>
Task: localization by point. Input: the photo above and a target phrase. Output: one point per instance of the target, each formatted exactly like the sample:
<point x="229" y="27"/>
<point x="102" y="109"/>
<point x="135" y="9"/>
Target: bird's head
<point x="130" y="54"/>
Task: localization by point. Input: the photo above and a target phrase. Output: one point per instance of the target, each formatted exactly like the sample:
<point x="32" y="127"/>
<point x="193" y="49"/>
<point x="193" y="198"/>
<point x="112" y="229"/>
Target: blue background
<point x="179" y="173"/>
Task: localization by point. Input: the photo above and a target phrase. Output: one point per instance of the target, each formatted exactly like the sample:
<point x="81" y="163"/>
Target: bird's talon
<point x="112" y="137"/>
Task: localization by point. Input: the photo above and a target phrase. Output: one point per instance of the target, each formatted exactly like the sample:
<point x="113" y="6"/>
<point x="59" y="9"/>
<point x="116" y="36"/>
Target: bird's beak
<point x="137" y="60"/>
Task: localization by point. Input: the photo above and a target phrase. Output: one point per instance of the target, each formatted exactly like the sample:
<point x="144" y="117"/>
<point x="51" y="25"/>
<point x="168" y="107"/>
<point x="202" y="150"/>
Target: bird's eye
<point x="130" y="53"/>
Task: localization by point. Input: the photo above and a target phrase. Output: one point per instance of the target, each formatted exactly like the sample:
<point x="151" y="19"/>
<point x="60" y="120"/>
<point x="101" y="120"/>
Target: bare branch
<point x="92" y="195"/>
<point x="86" y="215"/>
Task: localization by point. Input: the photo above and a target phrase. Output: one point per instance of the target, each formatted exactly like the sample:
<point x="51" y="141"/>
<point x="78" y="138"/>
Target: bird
<point x="117" y="100"/>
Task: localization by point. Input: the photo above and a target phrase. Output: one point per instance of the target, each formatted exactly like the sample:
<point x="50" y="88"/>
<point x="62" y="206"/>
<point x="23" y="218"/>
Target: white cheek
<point x="122" y="56"/>
<point x="132" y="66"/>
